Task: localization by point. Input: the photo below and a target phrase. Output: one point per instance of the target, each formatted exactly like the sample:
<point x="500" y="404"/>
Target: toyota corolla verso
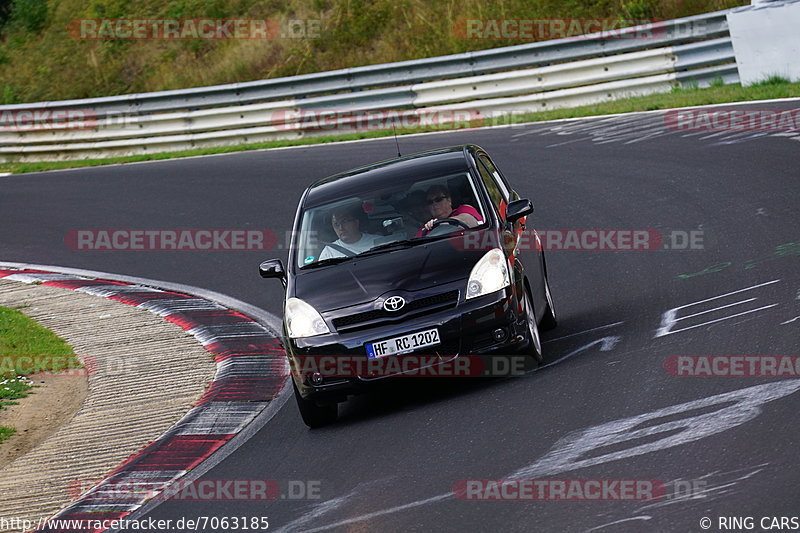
<point x="406" y="265"/>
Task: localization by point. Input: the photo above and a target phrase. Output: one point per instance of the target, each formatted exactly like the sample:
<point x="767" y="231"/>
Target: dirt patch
<point x="52" y="402"/>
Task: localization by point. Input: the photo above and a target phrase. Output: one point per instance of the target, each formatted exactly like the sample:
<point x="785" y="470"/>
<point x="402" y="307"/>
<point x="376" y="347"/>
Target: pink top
<point x="463" y="208"/>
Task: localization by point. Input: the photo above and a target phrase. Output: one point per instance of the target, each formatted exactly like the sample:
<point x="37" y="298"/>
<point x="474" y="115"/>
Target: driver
<point x="441" y="206"/>
<point x="347" y="225"/>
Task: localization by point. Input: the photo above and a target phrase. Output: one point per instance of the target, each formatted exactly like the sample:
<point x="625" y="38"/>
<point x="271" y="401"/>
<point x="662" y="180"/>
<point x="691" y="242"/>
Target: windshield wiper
<point x="325" y="262"/>
<point x="405" y="243"/>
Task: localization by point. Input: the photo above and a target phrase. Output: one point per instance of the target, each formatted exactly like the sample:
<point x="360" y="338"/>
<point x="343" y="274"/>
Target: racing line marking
<point x="619" y="522"/>
<point x="668" y="319"/>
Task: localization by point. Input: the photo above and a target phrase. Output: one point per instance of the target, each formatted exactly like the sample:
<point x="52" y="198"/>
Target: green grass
<point x="772" y="80"/>
<point x="41" y="60"/>
<point x="6" y="432"/>
<point x="13" y="388"/>
<point x="718" y="94"/>
<point x="25" y="348"/>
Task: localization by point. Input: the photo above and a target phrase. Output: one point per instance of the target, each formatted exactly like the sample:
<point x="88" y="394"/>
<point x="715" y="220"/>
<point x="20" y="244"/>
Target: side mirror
<point x="518" y="209"/>
<point x="273" y="268"/>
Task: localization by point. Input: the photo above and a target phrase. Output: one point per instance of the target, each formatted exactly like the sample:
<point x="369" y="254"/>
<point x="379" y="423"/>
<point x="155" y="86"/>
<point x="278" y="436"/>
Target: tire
<point x="315" y="415"/>
<point x="549" y="320"/>
<point x="534" y="348"/>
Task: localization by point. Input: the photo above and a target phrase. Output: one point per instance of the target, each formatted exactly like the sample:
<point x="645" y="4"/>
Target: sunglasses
<point x="436" y="200"/>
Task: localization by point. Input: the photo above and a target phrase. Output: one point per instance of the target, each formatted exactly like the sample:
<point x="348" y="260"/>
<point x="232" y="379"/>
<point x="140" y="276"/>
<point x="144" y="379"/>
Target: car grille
<point x="428" y="304"/>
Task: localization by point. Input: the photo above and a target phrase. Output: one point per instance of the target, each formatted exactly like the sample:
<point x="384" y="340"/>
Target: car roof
<point x="421" y="165"/>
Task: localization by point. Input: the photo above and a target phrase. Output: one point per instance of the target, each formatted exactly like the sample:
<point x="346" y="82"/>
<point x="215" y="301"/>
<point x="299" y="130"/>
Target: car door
<point x="522" y="243"/>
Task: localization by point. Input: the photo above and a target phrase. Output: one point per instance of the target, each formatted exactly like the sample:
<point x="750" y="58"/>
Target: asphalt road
<point x="604" y="407"/>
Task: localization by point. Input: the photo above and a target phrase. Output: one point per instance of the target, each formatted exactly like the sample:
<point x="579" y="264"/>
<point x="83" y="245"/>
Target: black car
<point x="408" y="267"/>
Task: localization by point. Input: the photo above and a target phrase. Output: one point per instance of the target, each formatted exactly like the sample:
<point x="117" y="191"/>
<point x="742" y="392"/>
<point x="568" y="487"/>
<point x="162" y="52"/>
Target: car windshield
<point x="387" y="218"/>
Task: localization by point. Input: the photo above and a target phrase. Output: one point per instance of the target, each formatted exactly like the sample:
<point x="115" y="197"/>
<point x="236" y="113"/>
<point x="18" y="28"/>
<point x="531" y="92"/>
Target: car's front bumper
<point x="335" y="365"/>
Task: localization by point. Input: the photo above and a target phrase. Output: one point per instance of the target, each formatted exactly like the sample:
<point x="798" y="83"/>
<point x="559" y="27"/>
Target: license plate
<point x="404" y="344"/>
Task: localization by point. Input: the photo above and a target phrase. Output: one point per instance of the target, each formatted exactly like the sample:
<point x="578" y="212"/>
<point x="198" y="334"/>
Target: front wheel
<point x="534" y="348"/>
<point x="315" y="415"/>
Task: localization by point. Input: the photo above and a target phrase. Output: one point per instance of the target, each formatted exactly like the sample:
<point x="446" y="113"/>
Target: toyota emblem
<point x="394" y="303"/>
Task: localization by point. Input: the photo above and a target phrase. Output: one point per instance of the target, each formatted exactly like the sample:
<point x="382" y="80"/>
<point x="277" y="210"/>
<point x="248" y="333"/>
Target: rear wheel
<point x="315" y="415"/>
<point x="534" y="348"/>
<point x="549" y="319"/>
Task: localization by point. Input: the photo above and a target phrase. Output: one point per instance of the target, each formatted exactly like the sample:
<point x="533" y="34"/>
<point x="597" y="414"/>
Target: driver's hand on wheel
<point x="429" y="224"/>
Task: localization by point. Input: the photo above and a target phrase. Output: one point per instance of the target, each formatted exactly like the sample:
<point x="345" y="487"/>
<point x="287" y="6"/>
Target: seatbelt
<point x="341" y="249"/>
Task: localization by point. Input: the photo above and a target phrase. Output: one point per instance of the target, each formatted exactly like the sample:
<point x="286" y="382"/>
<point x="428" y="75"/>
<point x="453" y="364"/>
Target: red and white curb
<point x="251" y="371"/>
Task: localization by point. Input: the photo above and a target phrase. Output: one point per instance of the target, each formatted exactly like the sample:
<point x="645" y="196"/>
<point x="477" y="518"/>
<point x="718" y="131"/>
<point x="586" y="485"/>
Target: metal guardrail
<point x="439" y="94"/>
<point x="566" y="72"/>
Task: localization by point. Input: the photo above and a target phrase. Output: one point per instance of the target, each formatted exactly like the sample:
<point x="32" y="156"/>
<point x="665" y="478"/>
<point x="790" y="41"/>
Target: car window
<point x="499" y="181"/>
<point x="495" y="193"/>
<point x="352" y="226"/>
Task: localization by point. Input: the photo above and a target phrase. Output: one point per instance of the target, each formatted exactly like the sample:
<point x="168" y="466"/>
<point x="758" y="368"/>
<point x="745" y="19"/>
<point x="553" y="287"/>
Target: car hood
<point x="363" y="279"/>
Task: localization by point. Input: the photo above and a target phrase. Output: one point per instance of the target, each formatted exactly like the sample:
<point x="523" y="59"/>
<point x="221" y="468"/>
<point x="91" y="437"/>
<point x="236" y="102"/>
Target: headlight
<point x="302" y="320"/>
<point x="490" y="274"/>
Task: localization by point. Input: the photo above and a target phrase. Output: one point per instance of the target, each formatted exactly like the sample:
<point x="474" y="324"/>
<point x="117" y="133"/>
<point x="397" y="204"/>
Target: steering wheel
<point x="448" y="220"/>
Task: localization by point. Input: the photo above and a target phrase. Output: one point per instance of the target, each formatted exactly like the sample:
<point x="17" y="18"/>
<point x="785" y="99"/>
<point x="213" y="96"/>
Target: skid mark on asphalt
<point x="598" y="328"/>
<point x="633" y="128"/>
<point x="606" y="344"/>
<point x="714" y="485"/>
<point x="705" y="488"/>
<point x="620" y="522"/>
<point x="296" y="525"/>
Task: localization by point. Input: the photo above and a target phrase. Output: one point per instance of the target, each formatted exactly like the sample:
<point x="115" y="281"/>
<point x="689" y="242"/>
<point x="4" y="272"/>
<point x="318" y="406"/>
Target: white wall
<point x="766" y="40"/>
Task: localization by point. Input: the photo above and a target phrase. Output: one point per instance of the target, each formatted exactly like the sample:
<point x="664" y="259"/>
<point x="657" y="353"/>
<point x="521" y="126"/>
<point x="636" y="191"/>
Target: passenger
<point x="440" y="206"/>
<point x="346" y="223"/>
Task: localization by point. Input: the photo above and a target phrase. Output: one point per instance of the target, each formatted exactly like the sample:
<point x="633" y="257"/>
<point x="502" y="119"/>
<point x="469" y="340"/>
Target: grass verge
<point x="26" y="348"/>
<point x="44" y="56"/>
<point x="6" y="432"/>
<point x="718" y="94"/>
